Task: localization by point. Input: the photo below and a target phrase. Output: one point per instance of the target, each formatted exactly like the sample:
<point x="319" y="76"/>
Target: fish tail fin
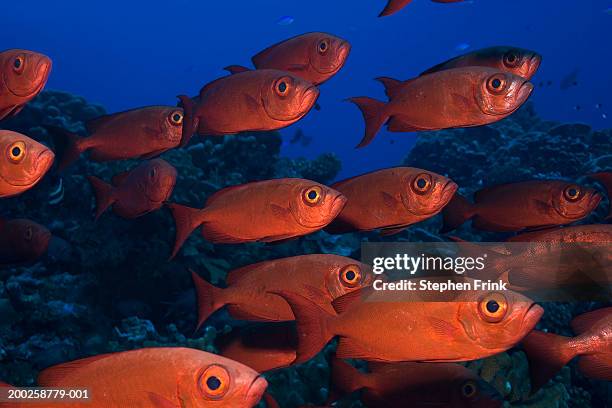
<point x="393" y="6"/>
<point x="456" y="212"/>
<point x="312" y="324"/>
<point x="208" y="298"/>
<point x="236" y="69"/>
<point x="188" y="119"/>
<point x="186" y="219"/>
<point x="390" y="85"/>
<point x="68" y="146"/>
<point x="374" y="116"/>
<point x="104" y="194"/>
<point x="345" y="379"/>
<point x="547" y="353"/>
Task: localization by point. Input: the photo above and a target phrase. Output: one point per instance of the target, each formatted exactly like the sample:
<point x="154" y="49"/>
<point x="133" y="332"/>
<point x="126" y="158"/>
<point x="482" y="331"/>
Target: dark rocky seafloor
<point x="107" y="286"/>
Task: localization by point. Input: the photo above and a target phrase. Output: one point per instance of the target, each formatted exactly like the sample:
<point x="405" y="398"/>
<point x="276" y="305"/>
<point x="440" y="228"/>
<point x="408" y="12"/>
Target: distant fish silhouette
<point x="570" y="80"/>
<point x="301" y="138"/>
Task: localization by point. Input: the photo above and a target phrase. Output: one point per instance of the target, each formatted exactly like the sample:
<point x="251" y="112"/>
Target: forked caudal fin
<point x="68" y="146"/>
<point x="373" y="112"/>
<point x="547" y="353"/>
<point x="104" y="195"/>
<point x="312" y="323"/>
<point x="207" y="295"/>
<point x="186" y="219"/>
<point x="345" y="379"/>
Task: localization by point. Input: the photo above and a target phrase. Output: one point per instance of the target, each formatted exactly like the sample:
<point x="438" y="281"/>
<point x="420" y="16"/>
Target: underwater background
<point x="107" y="285"/>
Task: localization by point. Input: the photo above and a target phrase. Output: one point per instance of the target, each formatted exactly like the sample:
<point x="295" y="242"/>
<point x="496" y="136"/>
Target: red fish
<point x="458" y="97"/>
<point x="523" y="205"/>
<point x="175" y="377"/>
<point x="605" y="178"/>
<point x="391" y="199"/>
<point x="319" y="277"/>
<point x="393" y="6"/>
<point x="264" y="211"/>
<point x="264" y="99"/>
<point x="476" y="324"/>
<point x="517" y="61"/>
<point x="138" y="133"/>
<point x="23" y="74"/>
<point x="418" y="385"/>
<point x="23" y="163"/>
<point x="262" y="347"/>
<point x="22" y="241"/>
<point x="315" y="57"/>
<point x="139" y="191"/>
<point x="548" y="353"/>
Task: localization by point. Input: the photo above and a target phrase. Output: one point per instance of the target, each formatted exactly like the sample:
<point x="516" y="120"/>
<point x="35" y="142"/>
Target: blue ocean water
<point x="124" y="54"/>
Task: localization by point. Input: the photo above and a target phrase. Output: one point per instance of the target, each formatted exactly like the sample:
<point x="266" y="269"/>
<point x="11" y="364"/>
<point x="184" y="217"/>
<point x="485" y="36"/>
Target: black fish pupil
<point x="213" y="383"/>
<point x="496" y="83"/>
<point x="282" y="87"/>
<point x="312" y="195"/>
<point x="322" y="46"/>
<point x="421" y="183"/>
<point x="573" y="192"/>
<point x="177" y="117"/>
<point x="350" y="275"/>
<point x="468" y="389"/>
<point x="17" y="63"/>
<point x="16" y="151"/>
<point x="492" y="306"/>
<point x="511" y="58"/>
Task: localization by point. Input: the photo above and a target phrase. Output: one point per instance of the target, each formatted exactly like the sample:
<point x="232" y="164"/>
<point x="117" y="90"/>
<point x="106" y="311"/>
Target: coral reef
<point x="107" y="285"/>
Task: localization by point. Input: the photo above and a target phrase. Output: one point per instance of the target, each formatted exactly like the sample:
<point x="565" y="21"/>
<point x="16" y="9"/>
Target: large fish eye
<point x="312" y="195"/>
<point x="469" y="389"/>
<point x="28" y="234"/>
<point x="323" y="46"/>
<point x="422" y="183"/>
<point x="350" y="276"/>
<point x="511" y="59"/>
<point x="214" y="382"/>
<point x="282" y="86"/>
<point x="18" y="64"/>
<point x="496" y="84"/>
<point x="17" y="151"/>
<point x="572" y="193"/>
<point x="493" y="307"/>
<point x="176" y="118"/>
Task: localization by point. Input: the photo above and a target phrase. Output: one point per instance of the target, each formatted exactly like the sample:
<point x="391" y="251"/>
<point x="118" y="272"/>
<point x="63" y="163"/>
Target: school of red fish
<point x="301" y="303"/>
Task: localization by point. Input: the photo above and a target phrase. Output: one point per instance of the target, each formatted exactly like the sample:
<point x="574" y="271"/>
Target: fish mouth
<point x="256" y="390"/>
<point x="533" y="65"/>
<point x="309" y="97"/>
<point x="532" y="317"/>
<point x="524" y="93"/>
<point x="42" y="164"/>
<point x="594" y="200"/>
<point x="338" y="204"/>
<point x="448" y="191"/>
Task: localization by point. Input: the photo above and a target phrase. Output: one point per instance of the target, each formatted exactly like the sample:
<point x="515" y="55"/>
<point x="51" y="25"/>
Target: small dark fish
<point x="517" y="61"/>
<point x="570" y="80"/>
<point x="139" y="191"/>
<point x="264" y="99"/>
<point x="22" y="241"/>
<point x="393" y="6"/>
<point x="577" y="107"/>
<point x="23" y="163"/>
<point x="523" y="205"/>
<point x="418" y="385"/>
<point x="138" y="133"/>
<point x="23" y="74"/>
<point x="458" y="97"/>
<point x="315" y="57"/>
<point x="284" y="208"/>
<point x="391" y="200"/>
<point x="548" y="353"/>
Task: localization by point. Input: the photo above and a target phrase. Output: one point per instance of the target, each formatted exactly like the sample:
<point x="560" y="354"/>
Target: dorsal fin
<point x="586" y="321"/>
<point x="119" y="178"/>
<point x="93" y="125"/>
<point x="391" y="85"/>
<point x="51" y="376"/>
<point x="236" y="69"/>
<point x="439" y="67"/>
